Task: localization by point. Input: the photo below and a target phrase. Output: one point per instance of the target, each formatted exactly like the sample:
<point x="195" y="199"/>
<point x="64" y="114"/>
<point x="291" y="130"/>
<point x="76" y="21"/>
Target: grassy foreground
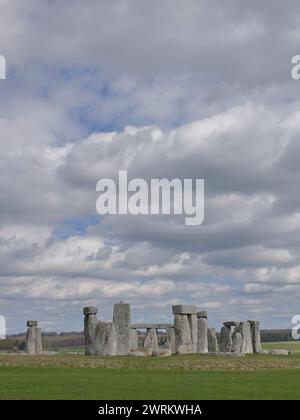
<point x="177" y="377"/>
<point x="101" y="384"/>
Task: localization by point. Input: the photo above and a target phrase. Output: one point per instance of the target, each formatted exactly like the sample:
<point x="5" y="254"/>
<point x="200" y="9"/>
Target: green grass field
<point x="177" y="377"/>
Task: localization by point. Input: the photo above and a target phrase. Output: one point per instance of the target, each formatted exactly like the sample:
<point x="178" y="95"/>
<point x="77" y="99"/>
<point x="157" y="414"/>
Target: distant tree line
<point x="276" y="335"/>
<point x="50" y="341"/>
<point x="12" y="344"/>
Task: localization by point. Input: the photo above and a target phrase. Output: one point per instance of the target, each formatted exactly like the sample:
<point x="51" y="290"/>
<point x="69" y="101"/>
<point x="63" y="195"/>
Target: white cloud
<point x="94" y="87"/>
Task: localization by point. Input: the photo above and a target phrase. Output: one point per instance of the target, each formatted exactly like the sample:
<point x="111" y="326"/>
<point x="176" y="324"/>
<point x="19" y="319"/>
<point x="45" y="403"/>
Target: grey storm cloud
<point x="174" y="89"/>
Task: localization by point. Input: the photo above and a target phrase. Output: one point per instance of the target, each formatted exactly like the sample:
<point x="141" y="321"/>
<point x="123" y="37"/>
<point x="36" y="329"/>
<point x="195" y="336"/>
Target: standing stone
<point x="171" y="340"/>
<point x="237" y="342"/>
<point x="38" y="341"/>
<point x="245" y="329"/>
<point x="90" y="324"/>
<point x="183" y="336"/>
<point x="122" y="325"/>
<point x="151" y="341"/>
<point x="225" y="339"/>
<point x="256" y="339"/>
<point x="194" y="331"/>
<point x="106" y="339"/>
<point x="202" y="341"/>
<point x="185" y="328"/>
<point x="212" y="340"/>
<point x="31" y="340"/>
<point x="133" y="339"/>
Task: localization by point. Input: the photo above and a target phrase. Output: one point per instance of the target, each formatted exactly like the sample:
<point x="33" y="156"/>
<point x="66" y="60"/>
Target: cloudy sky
<point x="173" y="88"/>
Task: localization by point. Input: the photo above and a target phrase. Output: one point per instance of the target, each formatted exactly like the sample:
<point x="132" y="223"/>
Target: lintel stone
<point x="254" y="322"/>
<point x="90" y="310"/>
<point x="184" y="310"/>
<point x="231" y="323"/>
<point x="32" y="323"/>
<point x="143" y="326"/>
<point x="202" y="314"/>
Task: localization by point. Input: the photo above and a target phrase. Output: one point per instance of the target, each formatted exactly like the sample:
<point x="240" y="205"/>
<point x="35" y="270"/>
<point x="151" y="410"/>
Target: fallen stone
<point x="281" y="352"/>
<point x="264" y="351"/>
<point x="139" y="353"/>
<point x="229" y="354"/>
<point x="162" y="353"/>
